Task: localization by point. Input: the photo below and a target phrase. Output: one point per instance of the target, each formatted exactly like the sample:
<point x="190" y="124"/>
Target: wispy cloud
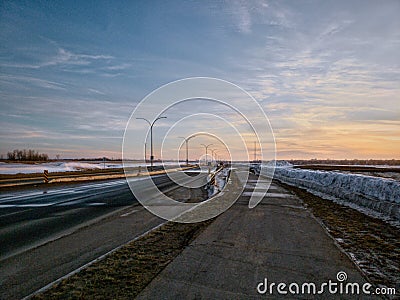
<point x="61" y="57"/>
<point x="21" y="81"/>
<point x="96" y="92"/>
<point x="241" y="12"/>
<point x="64" y="56"/>
<point x="246" y="14"/>
<point x="118" y="67"/>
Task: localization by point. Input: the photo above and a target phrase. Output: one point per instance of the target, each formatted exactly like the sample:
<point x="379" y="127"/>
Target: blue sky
<point x="326" y="73"/>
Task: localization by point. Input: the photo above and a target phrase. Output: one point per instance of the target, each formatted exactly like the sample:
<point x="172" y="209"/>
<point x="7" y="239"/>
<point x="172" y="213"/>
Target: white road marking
<point x="269" y="195"/>
<point x="129" y="213"/>
<point x="255" y="181"/>
<point x="7" y="205"/>
<point x="72" y="202"/>
<point x="249" y="194"/>
<point x="26" y="205"/>
<point x="279" y="195"/>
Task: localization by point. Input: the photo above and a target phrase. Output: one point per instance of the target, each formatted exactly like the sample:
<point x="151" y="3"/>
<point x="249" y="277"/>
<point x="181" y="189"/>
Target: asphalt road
<point x="46" y="234"/>
<point x="34" y="217"/>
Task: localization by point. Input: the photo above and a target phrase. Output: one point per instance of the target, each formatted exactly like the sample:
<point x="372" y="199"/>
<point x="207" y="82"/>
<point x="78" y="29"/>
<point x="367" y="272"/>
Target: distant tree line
<point x="27" y="155"/>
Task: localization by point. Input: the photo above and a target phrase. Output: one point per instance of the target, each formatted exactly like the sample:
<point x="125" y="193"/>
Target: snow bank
<point x="221" y="178"/>
<point x="379" y="195"/>
<point x="278" y="164"/>
<point x="15" y="168"/>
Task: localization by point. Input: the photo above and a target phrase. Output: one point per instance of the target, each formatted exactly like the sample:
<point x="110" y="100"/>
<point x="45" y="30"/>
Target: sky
<point x="326" y="73"/>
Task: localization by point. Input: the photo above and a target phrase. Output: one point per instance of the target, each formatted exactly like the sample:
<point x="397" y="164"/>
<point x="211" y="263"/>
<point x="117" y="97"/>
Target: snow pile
<point x="74" y="166"/>
<point x="267" y="169"/>
<point x="378" y="195"/>
<point x="279" y="164"/>
<point x="220" y="179"/>
<point x="15" y="168"/>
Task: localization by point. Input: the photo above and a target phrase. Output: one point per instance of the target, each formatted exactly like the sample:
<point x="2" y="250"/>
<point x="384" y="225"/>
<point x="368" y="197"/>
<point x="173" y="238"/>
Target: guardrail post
<point x="46" y="176"/>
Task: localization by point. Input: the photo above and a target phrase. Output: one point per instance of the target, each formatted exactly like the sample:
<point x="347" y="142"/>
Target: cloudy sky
<point x="326" y="73"/>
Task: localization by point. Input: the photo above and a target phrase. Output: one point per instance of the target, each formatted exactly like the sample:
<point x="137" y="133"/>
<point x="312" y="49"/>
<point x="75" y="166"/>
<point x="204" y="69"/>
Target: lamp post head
<point x="151" y="138"/>
<point x="159" y="119"/>
<point x="206" y="145"/>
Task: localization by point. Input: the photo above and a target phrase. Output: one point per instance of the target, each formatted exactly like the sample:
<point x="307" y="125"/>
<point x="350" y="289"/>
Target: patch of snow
<point x="15" y="168"/>
<point x="375" y="196"/>
<point x="278" y="164"/>
<point x="366" y="166"/>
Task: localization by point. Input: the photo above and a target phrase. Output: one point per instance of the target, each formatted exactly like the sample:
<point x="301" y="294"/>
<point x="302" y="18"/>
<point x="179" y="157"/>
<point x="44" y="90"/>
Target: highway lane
<point x="33" y="217"/>
<point x="29" y="221"/>
<point x="30" y="270"/>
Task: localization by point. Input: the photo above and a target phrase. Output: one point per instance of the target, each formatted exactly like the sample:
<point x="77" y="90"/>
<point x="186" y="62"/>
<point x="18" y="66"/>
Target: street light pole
<point x="145" y="153"/>
<point x="206" y="146"/>
<point x="151" y="124"/>
<point x="187" y="148"/>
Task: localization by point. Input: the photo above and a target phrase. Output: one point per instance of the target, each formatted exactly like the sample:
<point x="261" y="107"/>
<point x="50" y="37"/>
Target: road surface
<point x="46" y="234"/>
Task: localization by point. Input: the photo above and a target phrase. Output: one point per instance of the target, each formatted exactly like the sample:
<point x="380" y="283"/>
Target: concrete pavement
<point x="278" y="241"/>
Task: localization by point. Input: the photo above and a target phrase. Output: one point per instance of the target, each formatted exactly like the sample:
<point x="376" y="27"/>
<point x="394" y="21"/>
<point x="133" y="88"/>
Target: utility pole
<point x="145" y="153"/>
<point x="151" y="124"/>
<point x="255" y="152"/>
